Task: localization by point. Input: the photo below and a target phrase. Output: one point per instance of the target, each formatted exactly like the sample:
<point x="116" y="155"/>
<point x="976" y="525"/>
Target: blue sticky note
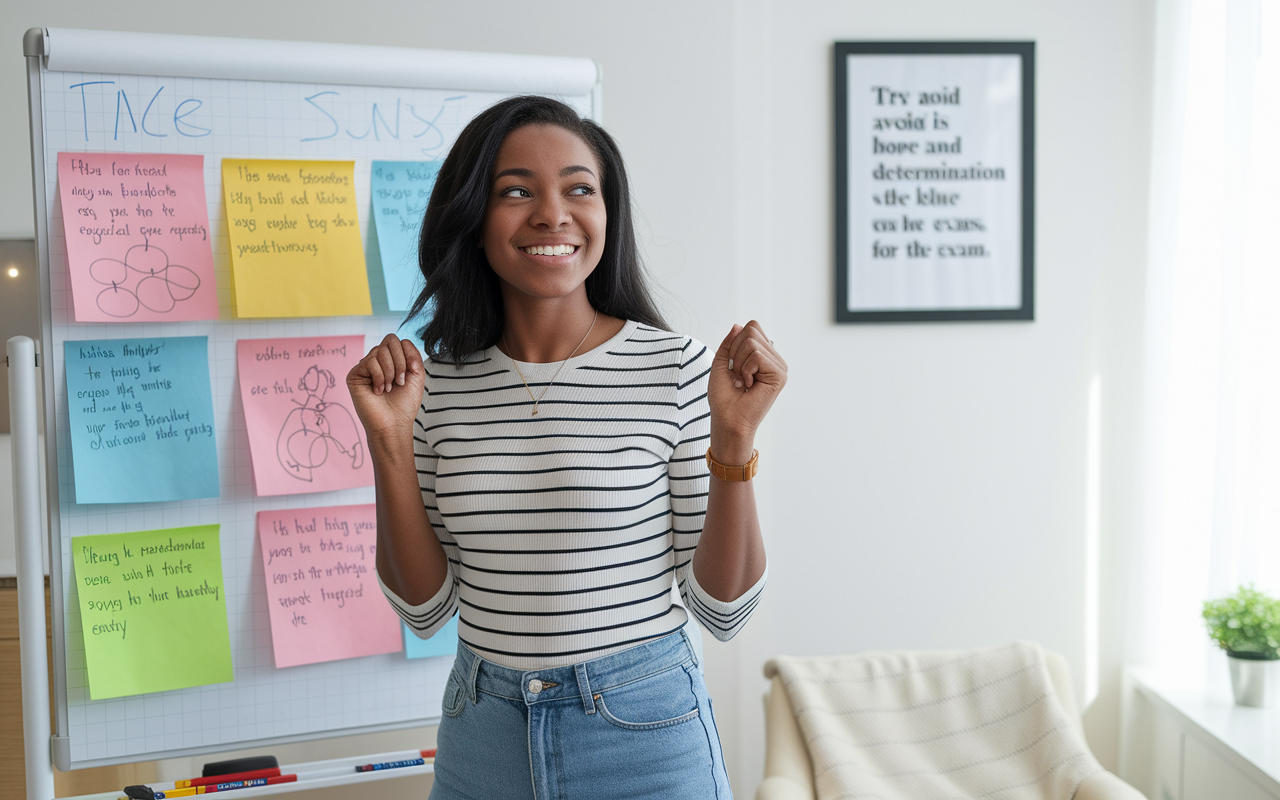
<point x="408" y="328"/>
<point x="401" y="190"/>
<point x="444" y="643"/>
<point x="141" y="415"/>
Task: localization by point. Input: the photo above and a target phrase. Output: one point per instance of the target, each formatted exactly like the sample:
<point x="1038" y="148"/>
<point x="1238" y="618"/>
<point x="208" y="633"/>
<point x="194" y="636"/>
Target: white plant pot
<point x="1255" y="683"/>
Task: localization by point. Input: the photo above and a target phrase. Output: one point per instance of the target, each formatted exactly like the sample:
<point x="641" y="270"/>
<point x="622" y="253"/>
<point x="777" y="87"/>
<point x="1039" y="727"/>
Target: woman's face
<point x="544" y="225"/>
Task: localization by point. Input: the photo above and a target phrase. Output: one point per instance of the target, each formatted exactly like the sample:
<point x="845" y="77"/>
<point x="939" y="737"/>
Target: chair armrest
<point x="1060" y="678"/>
<point x="780" y="788"/>
<point x="785" y="755"/>
<point x="1105" y="786"/>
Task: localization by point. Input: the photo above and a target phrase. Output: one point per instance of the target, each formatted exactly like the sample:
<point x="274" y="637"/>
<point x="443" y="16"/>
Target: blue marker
<point x="413" y="762"/>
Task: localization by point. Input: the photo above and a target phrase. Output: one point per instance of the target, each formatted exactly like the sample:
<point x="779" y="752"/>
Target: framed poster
<point x="935" y="200"/>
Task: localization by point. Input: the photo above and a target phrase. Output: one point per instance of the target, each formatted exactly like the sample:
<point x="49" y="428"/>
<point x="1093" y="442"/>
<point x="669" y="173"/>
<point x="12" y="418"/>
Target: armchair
<point x="789" y="769"/>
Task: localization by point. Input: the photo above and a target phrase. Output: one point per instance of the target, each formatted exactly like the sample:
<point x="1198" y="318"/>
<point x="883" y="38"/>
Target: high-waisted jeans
<point x="635" y="724"/>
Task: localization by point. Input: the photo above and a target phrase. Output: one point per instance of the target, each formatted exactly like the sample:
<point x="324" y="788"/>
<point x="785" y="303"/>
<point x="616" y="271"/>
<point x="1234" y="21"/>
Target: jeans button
<point x="535" y="686"/>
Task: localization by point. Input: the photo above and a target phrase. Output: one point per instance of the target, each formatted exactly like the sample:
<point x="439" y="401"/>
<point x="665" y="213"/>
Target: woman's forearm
<point x="410" y="558"/>
<point x="730" y="556"/>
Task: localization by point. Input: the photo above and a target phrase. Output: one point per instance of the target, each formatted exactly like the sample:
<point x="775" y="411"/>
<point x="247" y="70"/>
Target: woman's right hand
<point x="386" y="387"/>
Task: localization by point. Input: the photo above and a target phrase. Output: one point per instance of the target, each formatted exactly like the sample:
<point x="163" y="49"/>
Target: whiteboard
<point x="96" y="91"/>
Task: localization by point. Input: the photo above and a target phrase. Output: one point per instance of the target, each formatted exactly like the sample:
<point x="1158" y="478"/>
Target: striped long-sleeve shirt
<point x="569" y="533"/>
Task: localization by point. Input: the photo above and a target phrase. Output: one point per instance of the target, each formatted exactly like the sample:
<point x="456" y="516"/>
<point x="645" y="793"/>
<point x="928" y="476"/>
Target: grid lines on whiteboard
<point x="244" y="119"/>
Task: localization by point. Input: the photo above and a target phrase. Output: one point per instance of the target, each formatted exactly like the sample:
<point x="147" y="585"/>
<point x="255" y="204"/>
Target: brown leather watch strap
<point x="731" y="472"/>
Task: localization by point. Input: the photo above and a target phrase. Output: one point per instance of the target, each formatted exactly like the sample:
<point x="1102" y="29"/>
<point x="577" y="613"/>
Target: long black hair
<point x="460" y="283"/>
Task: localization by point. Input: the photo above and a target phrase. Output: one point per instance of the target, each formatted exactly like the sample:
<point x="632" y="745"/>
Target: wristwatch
<point x="732" y="472"/>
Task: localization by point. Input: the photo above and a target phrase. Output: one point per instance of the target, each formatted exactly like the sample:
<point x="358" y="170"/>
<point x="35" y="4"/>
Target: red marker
<point x="234" y="776"/>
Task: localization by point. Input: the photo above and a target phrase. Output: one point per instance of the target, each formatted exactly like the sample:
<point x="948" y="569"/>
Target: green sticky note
<point x="153" y="610"/>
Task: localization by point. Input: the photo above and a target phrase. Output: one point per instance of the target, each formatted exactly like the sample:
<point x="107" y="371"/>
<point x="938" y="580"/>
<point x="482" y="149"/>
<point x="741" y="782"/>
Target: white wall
<point x="922" y="485"/>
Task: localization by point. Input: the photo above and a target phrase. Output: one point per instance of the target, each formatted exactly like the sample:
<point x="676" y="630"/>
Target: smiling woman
<point x="546" y="474"/>
<point x="453" y="251"/>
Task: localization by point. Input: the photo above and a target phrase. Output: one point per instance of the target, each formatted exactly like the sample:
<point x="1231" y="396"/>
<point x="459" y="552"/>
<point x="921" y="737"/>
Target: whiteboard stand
<point x="21" y="357"/>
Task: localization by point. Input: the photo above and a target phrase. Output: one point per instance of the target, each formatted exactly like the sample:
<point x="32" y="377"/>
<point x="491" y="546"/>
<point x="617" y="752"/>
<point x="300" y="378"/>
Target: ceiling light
<point x="13" y="272"/>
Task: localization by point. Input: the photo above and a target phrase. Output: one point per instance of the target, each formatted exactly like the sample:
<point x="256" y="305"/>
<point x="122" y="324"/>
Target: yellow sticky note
<point x="153" y="610"/>
<point x="295" y="238"/>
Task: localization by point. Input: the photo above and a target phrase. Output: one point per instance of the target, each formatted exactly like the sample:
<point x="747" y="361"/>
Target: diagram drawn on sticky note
<point x="137" y="232"/>
<point x="303" y="432"/>
<point x="152" y="609"/>
<point x="295" y="238"/>
<point x="324" y="599"/>
<point x="400" y="191"/>
<point x="141" y="415"/>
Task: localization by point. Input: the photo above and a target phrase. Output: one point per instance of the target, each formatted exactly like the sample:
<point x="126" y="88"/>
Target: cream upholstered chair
<point x="788" y="772"/>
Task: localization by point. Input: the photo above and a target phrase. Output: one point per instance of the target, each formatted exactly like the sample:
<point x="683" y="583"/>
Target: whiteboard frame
<point x="70" y="50"/>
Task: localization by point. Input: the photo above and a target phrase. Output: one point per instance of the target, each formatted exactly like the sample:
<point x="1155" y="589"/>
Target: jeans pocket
<point x="662" y="700"/>
<point x="454" y="697"/>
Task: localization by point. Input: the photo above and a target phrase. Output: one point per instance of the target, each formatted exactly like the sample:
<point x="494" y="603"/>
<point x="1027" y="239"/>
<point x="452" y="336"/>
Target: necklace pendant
<point x="535" y="410"/>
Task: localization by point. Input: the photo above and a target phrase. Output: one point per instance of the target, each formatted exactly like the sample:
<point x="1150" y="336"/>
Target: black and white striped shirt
<point x="569" y="533"/>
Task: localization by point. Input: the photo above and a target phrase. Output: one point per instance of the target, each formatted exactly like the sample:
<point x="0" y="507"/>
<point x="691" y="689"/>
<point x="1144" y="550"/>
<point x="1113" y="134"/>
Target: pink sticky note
<point x="137" y="229"/>
<point x="324" y="596"/>
<point x="304" y="435"/>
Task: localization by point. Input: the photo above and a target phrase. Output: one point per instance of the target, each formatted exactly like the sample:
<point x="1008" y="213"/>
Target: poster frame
<point x="1025" y="50"/>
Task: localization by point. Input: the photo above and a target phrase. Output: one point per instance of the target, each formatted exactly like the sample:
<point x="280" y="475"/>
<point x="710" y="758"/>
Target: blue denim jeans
<point x="635" y="724"/>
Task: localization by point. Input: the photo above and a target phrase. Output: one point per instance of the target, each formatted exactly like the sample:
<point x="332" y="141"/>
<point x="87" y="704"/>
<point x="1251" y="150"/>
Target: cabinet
<point x="1180" y="744"/>
<point x="1206" y="776"/>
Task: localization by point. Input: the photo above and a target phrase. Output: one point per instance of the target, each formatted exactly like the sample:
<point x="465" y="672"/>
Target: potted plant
<point x="1247" y="626"/>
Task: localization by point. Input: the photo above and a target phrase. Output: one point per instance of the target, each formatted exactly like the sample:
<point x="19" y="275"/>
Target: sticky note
<point x="304" y="435"/>
<point x="153" y="610"/>
<point x="443" y="643"/>
<point x="295" y="238"/>
<point x="137" y="230"/>
<point x="141" y="415"/>
<point x="400" y="192"/>
<point x="324" y="598"/>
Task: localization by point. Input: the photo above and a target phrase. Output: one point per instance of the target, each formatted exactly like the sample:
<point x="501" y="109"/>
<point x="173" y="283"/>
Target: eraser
<point x="239" y="765"/>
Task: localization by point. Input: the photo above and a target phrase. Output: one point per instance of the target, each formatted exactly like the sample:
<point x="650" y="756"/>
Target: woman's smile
<point x="549" y="251"/>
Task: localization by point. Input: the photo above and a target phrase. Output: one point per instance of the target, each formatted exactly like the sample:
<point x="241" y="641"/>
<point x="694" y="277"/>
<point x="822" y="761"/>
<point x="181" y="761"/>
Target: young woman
<point x="545" y="474"/>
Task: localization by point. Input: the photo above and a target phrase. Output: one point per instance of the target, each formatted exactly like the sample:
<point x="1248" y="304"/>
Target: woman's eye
<point x="515" y="191"/>
<point x="582" y="191"/>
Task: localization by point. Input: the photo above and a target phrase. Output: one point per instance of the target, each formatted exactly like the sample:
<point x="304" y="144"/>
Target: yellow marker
<point x="187" y="792"/>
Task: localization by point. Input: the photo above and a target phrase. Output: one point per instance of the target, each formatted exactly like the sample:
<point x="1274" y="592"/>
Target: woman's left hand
<point x="746" y="376"/>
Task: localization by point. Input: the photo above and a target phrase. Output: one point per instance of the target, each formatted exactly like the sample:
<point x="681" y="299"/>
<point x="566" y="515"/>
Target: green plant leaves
<point x="1247" y="622"/>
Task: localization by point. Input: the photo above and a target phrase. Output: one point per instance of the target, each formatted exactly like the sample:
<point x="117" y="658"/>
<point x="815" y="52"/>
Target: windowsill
<point x="1247" y="737"/>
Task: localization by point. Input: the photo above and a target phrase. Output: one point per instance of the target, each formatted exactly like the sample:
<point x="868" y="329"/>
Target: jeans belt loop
<point x="584" y="686"/>
<point x="472" y="676"/>
<point x="689" y="646"/>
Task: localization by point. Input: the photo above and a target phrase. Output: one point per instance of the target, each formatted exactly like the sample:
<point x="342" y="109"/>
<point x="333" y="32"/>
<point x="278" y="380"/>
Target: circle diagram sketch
<point x="144" y="279"/>
<point x="317" y="429"/>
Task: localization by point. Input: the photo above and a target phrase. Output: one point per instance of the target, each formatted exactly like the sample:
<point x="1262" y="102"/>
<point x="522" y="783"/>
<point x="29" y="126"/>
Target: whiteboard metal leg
<point x="21" y="351"/>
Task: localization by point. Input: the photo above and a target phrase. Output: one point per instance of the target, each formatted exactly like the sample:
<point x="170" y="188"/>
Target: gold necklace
<point x="538" y="399"/>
